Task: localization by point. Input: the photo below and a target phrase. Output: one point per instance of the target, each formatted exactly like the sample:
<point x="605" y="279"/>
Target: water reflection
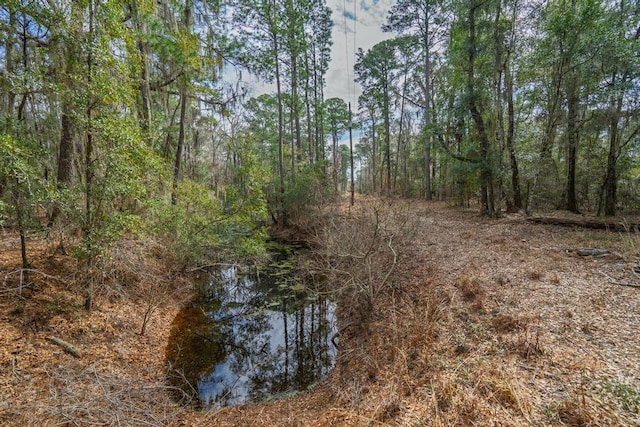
<point x="253" y="337"/>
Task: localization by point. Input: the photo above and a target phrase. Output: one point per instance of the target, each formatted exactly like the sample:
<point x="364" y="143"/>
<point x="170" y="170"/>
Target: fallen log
<point x="69" y="348"/>
<point x="593" y="223"/>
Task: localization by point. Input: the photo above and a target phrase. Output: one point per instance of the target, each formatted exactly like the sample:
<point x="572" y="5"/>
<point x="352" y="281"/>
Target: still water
<point x="253" y="335"/>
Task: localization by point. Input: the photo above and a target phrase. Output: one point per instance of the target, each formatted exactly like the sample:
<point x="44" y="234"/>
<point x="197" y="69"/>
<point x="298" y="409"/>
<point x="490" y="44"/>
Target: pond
<point x="253" y="334"/>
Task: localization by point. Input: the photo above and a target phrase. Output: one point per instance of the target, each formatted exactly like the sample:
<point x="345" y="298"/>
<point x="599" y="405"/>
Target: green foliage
<point x="16" y="160"/>
<point x="21" y="191"/>
<point x="123" y="173"/>
<point x="202" y="228"/>
<point x="204" y="225"/>
<point x="628" y="395"/>
<point x="187" y="227"/>
<point x="310" y="189"/>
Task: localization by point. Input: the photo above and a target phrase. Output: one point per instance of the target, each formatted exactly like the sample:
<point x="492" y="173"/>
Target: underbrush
<point x="359" y="248"/>
<point x="439" y="325"/>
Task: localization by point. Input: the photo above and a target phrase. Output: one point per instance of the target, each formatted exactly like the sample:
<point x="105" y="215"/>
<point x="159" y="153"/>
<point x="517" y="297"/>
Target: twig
<point x="617" y="282"/>
<point x="13" y="289"/>
<point x="21" y="271"/>
<point x="13" y="368"/>
<point x="208" y="266"/>
<point x="395" y="261"/>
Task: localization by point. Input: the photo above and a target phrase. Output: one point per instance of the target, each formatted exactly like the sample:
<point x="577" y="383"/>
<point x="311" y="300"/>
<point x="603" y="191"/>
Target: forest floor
<point x="487" y="322"/>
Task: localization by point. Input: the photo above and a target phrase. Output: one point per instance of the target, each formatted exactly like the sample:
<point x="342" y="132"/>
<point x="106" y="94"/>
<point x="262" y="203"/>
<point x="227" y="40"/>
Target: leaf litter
<point x="487" y="322"/>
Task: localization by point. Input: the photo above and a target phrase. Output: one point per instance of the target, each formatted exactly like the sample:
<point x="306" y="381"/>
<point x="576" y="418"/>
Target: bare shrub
<point x="132" y="268"/>
<point x="360" y="250"/>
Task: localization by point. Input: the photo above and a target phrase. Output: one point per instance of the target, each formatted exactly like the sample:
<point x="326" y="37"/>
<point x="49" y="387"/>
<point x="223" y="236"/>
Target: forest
<point x="128" y="131"/>
<point x="130" y="116"/>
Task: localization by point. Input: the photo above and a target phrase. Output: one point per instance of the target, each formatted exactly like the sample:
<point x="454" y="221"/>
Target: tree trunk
<point x="184" y="95"/>
<point x="89" y="171"/>
<point x="615" y="114"/>
<point x="308" y="107"/>
<point x="9" y="61"/>
<point x="65" y="153"/>
<point x="177" y="164"/>
<point x="572" y="141"/>
<point x="515" y="175"/>
<point x="317" y="106"/>
<point x="486" y="175"/>
<point x="374" y="155"/>
<point x="387" y="136"/>
<point x="334" y="146"/>
<point x="145" y="91"/>
<point x="276" y="58"/>
<point x="351" y="157"/>
<point x="611" y="176"/>
<point x="427" y="107"/>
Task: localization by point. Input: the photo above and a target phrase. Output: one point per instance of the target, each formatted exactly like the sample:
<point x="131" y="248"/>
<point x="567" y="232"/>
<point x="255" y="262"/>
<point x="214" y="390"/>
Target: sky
<point x="356" y="22"/>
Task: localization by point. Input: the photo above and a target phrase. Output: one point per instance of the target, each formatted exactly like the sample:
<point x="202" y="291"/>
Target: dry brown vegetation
<point x="481" y="322"/>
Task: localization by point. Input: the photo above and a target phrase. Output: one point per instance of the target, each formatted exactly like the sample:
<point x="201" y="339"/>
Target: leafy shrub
<point x="201" y="228"/>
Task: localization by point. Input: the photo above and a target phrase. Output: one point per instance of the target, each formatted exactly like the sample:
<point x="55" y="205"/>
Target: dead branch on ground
<point x="67" y="347"/>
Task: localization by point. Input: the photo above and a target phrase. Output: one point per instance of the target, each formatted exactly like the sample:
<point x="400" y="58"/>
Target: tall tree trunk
<point x="317" y="106"/>
<point x="573" y="100"/>
<point x="145" y="91"/>
<point x="177" y="164"/>
<point x="513" y="160"/>
<point x="9" y="60"/>
<point x="572" y="141"/>
<point x="334" y="147"/>
<point x="292" y="140"/>
<point x="486" y="175"/>
<point x="308" y="108"/>
<point x="615" y="114"/>
<point x="89" y="168"/>
<point x="374" y="155"/>
<point x="427" y="105"/>
<point x="65" y="151"/>
<point x="184" y="105"/>
<point x="498" y="78"/>
<point x="387" y="136"/>
<point x="276" y="58"/>
<point x="19" y="201"/>
<point x="400" y="132"/>
<point x="351" y="156"/>
<point x="321" y="139"/>
<point x="296" y="104"/>
<point x="611" y="176"/>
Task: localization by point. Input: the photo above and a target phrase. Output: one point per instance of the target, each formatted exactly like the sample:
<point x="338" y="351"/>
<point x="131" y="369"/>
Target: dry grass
<point x="119" y="379"/>
<point x="481" y="322"/>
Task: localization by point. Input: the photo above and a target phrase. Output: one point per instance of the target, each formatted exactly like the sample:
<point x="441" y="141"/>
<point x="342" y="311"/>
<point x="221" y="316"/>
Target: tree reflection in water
<point x="257" y="336"/>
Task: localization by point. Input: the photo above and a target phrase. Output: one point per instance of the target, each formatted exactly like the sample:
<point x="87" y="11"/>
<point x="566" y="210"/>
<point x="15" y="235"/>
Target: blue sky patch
<point x="349" y="15"/>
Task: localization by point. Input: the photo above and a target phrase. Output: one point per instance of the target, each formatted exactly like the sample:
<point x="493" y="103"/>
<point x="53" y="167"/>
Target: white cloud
<point x="363" y="33"/>
<point x="348" y="35"/>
